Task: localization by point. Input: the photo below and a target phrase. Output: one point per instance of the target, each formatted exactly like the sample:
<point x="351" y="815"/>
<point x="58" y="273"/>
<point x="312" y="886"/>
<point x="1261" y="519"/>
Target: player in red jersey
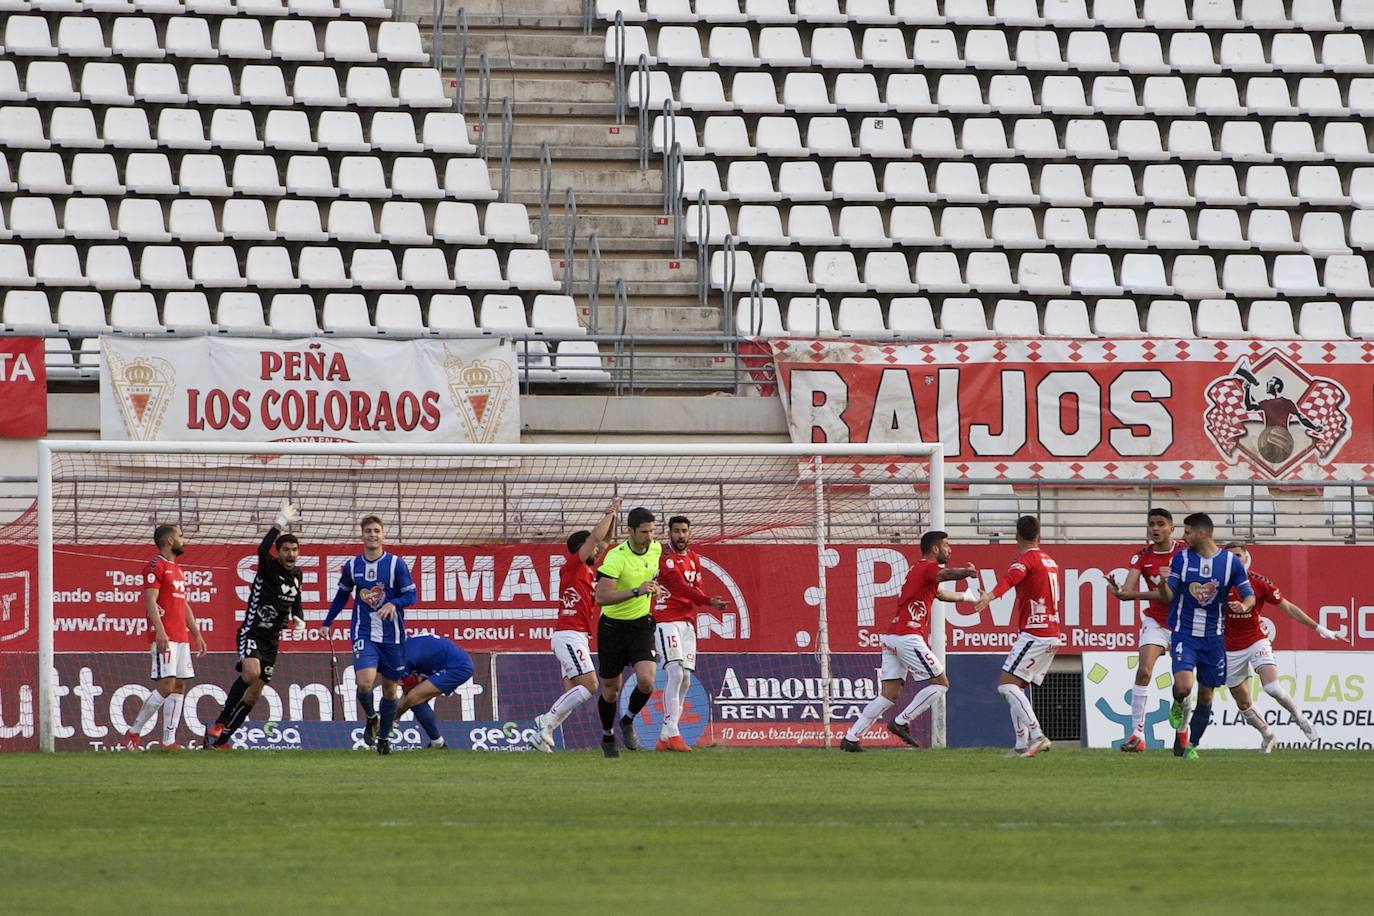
<point x="1248" y="646"/>
<point x="904" y="641"/>
<point x="679" y="580"/>
<point x="1035" y="576"/>
<point x="1151" y="565"/>
<point x="173" y="625"/>
<point x="577" y="616"/>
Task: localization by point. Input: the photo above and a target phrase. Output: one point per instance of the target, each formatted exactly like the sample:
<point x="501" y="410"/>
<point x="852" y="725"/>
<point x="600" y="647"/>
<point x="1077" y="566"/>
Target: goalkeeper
<point x="274" y="599"/>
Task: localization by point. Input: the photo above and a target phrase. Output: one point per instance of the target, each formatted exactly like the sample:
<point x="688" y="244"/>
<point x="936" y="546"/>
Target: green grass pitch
<point x="719" y="831"/>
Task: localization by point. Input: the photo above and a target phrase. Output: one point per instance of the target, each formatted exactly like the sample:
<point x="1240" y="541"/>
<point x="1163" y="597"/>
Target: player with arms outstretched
<point x="905" y="643"/>
<point x="577" y="619"/>
<point x="273" y="600"/>
<point x="625" y="590"/>
<point x="680" y="594"/>
<point x="1150" y="565"/>
<point x="173" y="627"/>
<point x="381" y="587"/>
<point x="1247" y="647"/>
<point x="1035" y="576"/>
<point x="435" y="667"/>
<point x="1199" y="581"/>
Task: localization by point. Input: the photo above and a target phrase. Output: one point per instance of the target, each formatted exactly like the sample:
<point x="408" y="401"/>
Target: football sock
<point x="672" y="699"/>
<point x="365" y="703"/>
<point x="1202" y="717"/>
<point x="1140" y="698"/>
<point x="388" y="717"/>
<point x="923" y="700"/>
<point x="1022" y="715"/>
<point x="638" y="700"/>
<point x="872" y="713"/>
<point x="1187" y="701"/>
<point x="171" y="716"/>
<point x="564" y="705"/>
<point x="240" y="716"/>
<point x="150" y="707"/>
<point x="424" y="714"/>
<point x="1275" y="690"/>
<point x="231" y="702"/>
<point x="606" y="709"/>
<point x="1256" y="721"/>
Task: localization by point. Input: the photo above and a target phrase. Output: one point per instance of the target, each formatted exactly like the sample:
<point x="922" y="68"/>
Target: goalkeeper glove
<point x="1324" y="633"/>
<point x="286" y="514"/>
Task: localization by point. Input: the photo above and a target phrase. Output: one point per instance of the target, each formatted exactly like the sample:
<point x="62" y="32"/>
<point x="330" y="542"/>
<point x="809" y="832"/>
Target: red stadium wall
<point x="504" y="598"/>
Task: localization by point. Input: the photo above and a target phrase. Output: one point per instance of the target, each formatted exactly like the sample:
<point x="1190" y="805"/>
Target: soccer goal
<point x="807" y="544"/>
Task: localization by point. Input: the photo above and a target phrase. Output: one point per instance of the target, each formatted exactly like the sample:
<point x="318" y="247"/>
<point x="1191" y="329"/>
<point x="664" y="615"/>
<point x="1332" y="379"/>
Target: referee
<point x="625" y="590"/>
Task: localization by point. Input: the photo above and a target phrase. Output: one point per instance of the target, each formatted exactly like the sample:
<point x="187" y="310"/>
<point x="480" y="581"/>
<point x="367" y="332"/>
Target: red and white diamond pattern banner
<point x="1128" y="409"/>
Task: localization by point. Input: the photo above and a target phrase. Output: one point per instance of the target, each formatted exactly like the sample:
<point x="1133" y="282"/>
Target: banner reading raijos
<point x="323" y="390"/>
<point x="1094" y="409"/>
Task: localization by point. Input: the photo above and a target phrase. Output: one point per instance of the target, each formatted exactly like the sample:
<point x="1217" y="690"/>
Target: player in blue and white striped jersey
<point x="1199" y="583"/>
<point x="381" y="586"/>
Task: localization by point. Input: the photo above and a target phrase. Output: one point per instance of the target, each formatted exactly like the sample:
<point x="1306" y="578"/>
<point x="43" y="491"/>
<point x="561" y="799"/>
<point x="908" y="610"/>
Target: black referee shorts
<point x="622" y="643"/>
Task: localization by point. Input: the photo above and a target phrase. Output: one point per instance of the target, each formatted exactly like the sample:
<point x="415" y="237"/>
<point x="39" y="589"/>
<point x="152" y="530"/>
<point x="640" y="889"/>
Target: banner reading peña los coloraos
<point x="1094" y="409"/>
<point x="322" y="390"/>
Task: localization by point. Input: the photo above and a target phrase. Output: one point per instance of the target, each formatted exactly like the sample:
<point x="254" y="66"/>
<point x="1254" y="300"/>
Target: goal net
<point x="808" y="545"/>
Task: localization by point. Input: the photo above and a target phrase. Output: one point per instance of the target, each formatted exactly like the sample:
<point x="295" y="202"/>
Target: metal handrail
<point x="593" y="272"/>
<point x="728" y="273"/>
<point x="569" y="237"/>
<point x="588" y="16"/>
<point x="483" y="102"/>
<point x="462" y="80"/>
<point x="507" y="137"/>
<point x="545" y="187"/>
<point x="669" y="142"/>
<point x="619" y="67"/>
<point x="642" y="111"/>
<point x="436" y="36"/>
<point x="703" y="248"/>
<point x="675" y="210"/>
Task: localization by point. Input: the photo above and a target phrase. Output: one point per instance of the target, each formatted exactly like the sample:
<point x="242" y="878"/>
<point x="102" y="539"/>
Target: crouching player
<point x="436" y="667"/>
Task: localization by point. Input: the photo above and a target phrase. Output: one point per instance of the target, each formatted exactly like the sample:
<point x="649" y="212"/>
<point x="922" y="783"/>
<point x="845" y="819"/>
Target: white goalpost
<point x="814" y="539"/>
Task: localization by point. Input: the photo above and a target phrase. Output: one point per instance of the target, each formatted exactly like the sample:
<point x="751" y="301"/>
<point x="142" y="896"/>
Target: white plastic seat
<point x="1267" y="185"/>
<point x="73" y="128"/>
<point x="164" y="267"/>
<point x="1116" y="227"/>
<point x="1321" y="96"/>
<point x="555" y="314"/>
<point x="400" y="42"/>
<point x="855" y="181"/>
<point x="292" y="313"/>
<point x="1195" y="276"/>
<point x="911" y="316"/>
<point x="399" y="313"/>
<point x="987" y="49"/>
<point x="81" y="36"/>
<point x="1016" y="318"/>
<point x="1295" y="140"/>
<point x="1322" y="321"/>
<point x="322" y="267"/>
<point x="241" y="38"/>
<point x="810" y="225"/>
<point x="140" y="220"/>
<point x="318" y="87"/>
<point x="884" y="48"/>
<point x="786" y="271"/>
<point x="188" y="36"/>
<point x="347" y="40"/>
<point x="1039" y="50"/>
<point x="888" y="272"/>
<point x="1093" y="274"/>
<point x="860" y="317"/>
<point x="811" y="317"/>
<point x="881" y="138"/>
<point x="257" y="175"/>
<point x="28" y="36"/>
<point x="1168" y="228"/>
<point x="1345" y="53"/>
<point x="1036" y="138"/>
<point x="779" y="135"/>
<point x="1168" y="318"/>
<point x="478" y="269"/>
<point x="32" y="218"/>
<point x="723" y="135"/>
<point x="1011" y="94"/>
<point x="341" y="132"/>
<point x="189" y="219"/>
<point x="833" y="48"/>
<point x="81" y="313"/>
<point x="1065" y="318"/>
<point x="1219" y="318"/>
<point x="295" y="40"/>
<point x="1296" y="275"/>
<point x="1294" y="52"/>
<point x="422" y="87"/>
<point x="1246" y="275"/>
<point x="181" y="128"/>
<point x="449" y="313"/>
<point x="964" y="318"/>
<point x="369" y="87"/>
<point x="265" y="85"/>
<point x="958" y="182"/>
<point x="102" y="83"/>
<point x="216" y="266"/>
<point x="412" y="177"/>
<point x="1041" y="273"/>
<point x="504" y="313"/>
<point x="802" y="181"/>
<point x="1115" y="318"/>
<point x="237" y="311"/>
<point x="346" y="313"/>
<point x="1191" y="52"/>
<point x="403" y="223"/>
<point x="212" y="84"/>
<point x="1144" y="274"/>
<point x="906" y="181"/>
<point x="185" y="311"/>
<point x="903" y="92"/>
<point x="456" y="223"/>
<point x="807" y="92"/>
<point x="127" y="128"/>
<point x="22" y="128"/>
<point x="43" y="173"/>
<point x="636" y="45"/>
<point x="964" y="227"/>
<point x="269" y="267"/>
<point x="86" y="218"/>
<point x="299" y="221"/>
<point x="202" y="174"/>
<point x="446" y="132"/>
<point x="1141" y="53"/>
<point x="351" y="221"/>
<point x="713" y="225"/>
<point x="1270" y="319"/>
<point x="374" y="268"/>
<point x="135" y="37"/>
<point x="830" y="137"/>
<point x="837" y="271"/>
<point x="1271" y="230"/>
<point x="1062" y="185"/>
<point x="134" y="312"/>
<point x="150" y="173"/>
<point x="1362" y="187"/>
<point x="1344" y="141"/>
<point x="310" y="176"/>
<point x="288" y="131"/>
<point x="1015" y="228"/>
<point x="1218" y="228"/>
<point x="913" y="226"/>
<point x="93" y="173"/>
<point x="738" y="271"/>
<point x="758" y="317"/>
<point x="939" y="272"/>
<point x="468" y="179"/>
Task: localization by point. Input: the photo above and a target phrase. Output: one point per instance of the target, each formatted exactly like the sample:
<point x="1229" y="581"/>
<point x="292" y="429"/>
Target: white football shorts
<point x="677" y="642"/>
<point x="902" y="654"/>
<point x="1030" y="657"/>
<point x="1152" y="633"/>
<point x="1252" y="657"/>
<point x="574" y="653"/>
<point x="175" y="662"/>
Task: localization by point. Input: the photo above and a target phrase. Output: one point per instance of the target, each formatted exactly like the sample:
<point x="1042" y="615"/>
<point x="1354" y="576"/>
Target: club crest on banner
<point x="143" y="389"/>
<point x="481" y="390"/>
<point x="1274" y="415"/>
